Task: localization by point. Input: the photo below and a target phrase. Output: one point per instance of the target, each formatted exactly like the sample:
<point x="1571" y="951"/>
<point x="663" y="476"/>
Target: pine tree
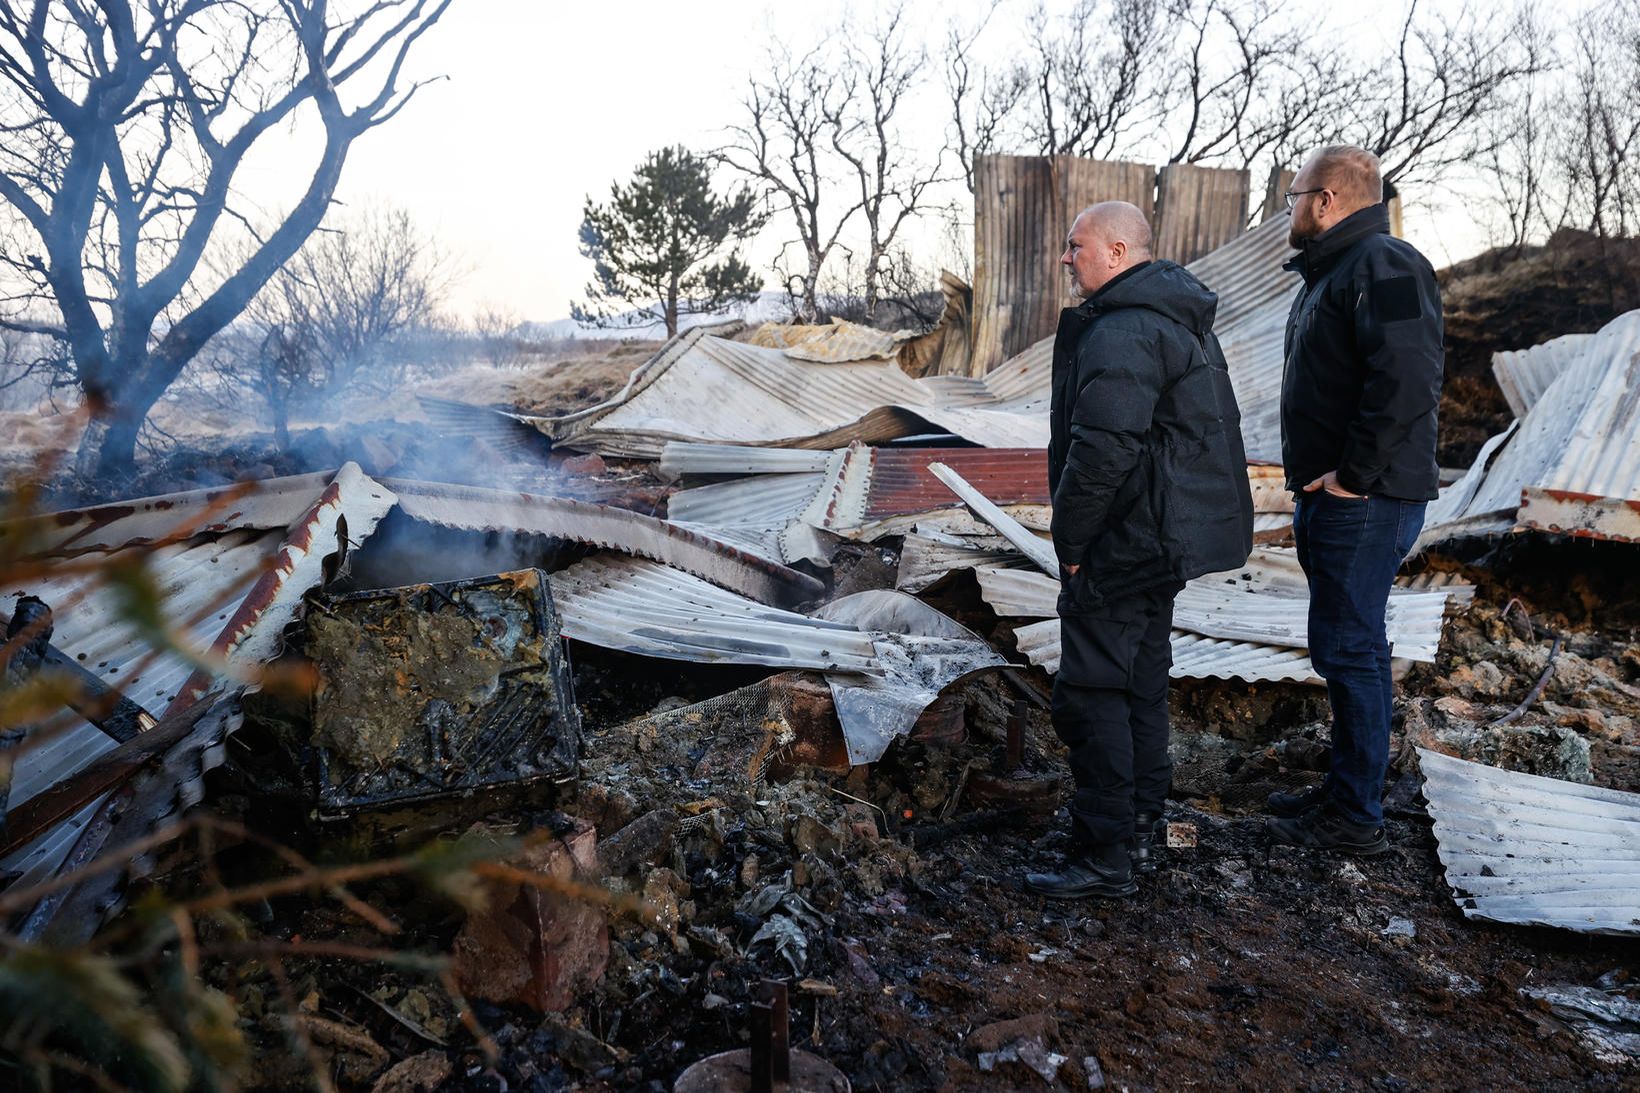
<point x="655" y="245"/>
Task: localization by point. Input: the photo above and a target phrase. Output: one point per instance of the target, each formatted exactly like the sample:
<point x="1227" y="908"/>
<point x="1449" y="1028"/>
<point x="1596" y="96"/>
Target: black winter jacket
<point x="1364" y="361"/>
<point x="1145" y="459"/>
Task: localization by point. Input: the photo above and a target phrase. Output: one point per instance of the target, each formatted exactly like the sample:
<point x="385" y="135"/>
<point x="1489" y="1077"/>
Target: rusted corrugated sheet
<point x="274" y="503"/>
<point x="1023" y="208"/>
<point x="1198" y="209"/>
<point x="1533" y="851"/>
<point x="230" y="593"/>
<point x="901" y="482"/>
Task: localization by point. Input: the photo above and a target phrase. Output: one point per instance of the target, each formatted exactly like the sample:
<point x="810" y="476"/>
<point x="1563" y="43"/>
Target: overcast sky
<point x="545" y="103"/>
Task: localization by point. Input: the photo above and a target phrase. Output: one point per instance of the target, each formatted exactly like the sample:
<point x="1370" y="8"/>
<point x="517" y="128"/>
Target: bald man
<point x="1149" y="490"/>
<point x="1358" y="402"/>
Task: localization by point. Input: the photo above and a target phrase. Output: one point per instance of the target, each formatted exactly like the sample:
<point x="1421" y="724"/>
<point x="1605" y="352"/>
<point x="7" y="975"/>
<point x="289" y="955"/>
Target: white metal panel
<point x="1528" y="850"/>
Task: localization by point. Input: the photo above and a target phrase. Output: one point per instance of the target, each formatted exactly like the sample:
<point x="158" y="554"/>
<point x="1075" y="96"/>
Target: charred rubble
<point x="660" y="759"/>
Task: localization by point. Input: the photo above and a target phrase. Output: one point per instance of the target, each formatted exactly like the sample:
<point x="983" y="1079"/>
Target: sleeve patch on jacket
<point x="1395" y="300"/>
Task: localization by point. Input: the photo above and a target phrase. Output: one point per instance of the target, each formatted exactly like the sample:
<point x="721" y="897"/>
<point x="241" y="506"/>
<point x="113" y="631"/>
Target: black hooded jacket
<point x="1364" y="362"/>
<point x="1145" y="460"/>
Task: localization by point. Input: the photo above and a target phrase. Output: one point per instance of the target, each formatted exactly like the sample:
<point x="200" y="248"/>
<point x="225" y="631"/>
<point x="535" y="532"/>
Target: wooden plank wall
<point x="1023" y="206"/>
<point x="1198" y="209"/>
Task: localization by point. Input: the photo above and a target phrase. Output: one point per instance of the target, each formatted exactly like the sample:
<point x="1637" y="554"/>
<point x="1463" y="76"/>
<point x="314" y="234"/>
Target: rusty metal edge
<point x="613" y="528"/>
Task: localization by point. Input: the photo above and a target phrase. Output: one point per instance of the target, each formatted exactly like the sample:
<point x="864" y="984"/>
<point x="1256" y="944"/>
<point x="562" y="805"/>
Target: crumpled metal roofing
<point x="1524" y="374"/>
<point x="1216" y="608"/>
<point x="243" y="560"/>
<point x="886" y="655"/>
<point x="862" y="493"/>
<point x="1571" y="465"/>
<point x="700" y="387"/>
<point x="1194" y="656"/>
<point x="1534" y="851"/>
<point x="233" y="593"/>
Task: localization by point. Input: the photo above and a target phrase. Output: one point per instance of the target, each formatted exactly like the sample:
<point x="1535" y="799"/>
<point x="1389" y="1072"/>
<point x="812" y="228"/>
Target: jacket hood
<point x="1163" y="287"/>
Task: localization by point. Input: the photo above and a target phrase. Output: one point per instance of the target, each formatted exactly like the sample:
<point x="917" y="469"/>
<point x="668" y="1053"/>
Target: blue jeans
<point x="1350" y="549"/>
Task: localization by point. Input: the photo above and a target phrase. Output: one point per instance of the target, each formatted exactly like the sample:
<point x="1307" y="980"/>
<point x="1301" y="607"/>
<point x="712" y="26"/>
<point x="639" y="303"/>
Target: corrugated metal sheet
<point x="833" y="342"/>
<point x="1023" y="207"/>
<point x="275" y="503"/>
<point x="682" y="458"/>
<point x="685" y="548"/>
<point x="1572" y="464"/>
<point x="232" y="594"/>
<point x="643" y="607"/>
<point x="1198" y="209"/>
<point x="1524" y="374"/>
<point x="928" y="556"/>
<point x="901" y="482"/>
<point x="887" y="656"/>
<point x="1213" y="608"/>
<point x="865" y="493"/>
<point x="1194" y="656"/>
<point x="1039" y="552"/>
<point x="1533" y="851"/>
<point x="703" y="388"/>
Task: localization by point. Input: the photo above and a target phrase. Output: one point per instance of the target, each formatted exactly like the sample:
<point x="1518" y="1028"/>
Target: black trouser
<point x="1110" y="709"/>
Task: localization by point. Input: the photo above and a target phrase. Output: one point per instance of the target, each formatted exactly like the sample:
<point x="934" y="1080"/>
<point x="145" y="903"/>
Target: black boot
<point x="1291" y="805"/>
<point x="1149" y="836"/>
<point x="1324" y="829"/>
<point x="1104" y="871"/>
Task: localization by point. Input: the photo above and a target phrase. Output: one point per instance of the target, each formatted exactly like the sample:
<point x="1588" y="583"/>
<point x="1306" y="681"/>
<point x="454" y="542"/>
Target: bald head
<point x="1339" y="180"/>
<point x="1105" y="240"/>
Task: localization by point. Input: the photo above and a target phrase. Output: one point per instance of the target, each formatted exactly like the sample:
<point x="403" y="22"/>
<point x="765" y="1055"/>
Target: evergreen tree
<point x="655" y="245"/>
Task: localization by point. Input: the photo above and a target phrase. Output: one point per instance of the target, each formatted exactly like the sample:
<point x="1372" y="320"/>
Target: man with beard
<point x="1358" y="402"/>
<point x="1150" y="489"/>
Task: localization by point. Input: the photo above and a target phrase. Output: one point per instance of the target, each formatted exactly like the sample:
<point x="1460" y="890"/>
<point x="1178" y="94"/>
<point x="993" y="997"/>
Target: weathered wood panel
<point x="1023" y="206"/>
<point x="1198" y="209"/>
<point x="1275" y="192"/>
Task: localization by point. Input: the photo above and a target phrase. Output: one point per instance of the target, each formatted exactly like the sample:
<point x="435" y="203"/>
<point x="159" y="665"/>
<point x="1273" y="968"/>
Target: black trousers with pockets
<point x="1110" y="709"/>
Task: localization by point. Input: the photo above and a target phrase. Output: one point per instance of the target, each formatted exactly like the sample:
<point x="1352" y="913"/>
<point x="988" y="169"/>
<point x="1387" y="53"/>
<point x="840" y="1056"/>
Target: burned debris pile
<point x="727" y="741"/>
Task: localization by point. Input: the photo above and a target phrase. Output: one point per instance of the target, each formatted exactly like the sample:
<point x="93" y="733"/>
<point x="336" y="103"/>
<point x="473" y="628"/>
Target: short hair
<point x="1120" y="222"/>
<point x="1350" y="172"/>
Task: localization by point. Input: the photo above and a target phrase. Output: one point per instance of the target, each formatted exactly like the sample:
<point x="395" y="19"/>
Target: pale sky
<point x="547" y="102"/>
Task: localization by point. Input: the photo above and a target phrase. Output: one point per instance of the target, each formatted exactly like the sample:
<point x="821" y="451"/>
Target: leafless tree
<point x="783" y="142"/>
<point x="1427" y="112"/>
<point x="350" y="312"/>
<point x="1599" y="112"/>
<point x="1087" y="75"/>
<point x="495" y="329"/>
<point x="881" y="70"/>
<point x="982" y="99"/>
<point x="125" y="125"/>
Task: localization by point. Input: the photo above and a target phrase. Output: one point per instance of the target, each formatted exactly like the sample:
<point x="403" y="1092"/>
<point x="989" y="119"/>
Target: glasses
<point x="1292" y="196"/>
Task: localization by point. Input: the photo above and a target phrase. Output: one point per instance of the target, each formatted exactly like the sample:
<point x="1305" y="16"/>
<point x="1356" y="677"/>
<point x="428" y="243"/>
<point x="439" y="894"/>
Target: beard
<point x="1300" y="230"/>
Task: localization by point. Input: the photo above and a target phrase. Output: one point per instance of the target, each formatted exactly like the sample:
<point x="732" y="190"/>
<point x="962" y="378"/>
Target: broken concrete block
<point x="645" y="841"/>
<point x="533" y="946"/>
<point x="436" y="690"/>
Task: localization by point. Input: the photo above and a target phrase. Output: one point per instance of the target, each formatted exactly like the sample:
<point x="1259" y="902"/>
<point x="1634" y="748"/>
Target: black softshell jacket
<point x="1364" y="363"/>
<point x="1145" y="459"/>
